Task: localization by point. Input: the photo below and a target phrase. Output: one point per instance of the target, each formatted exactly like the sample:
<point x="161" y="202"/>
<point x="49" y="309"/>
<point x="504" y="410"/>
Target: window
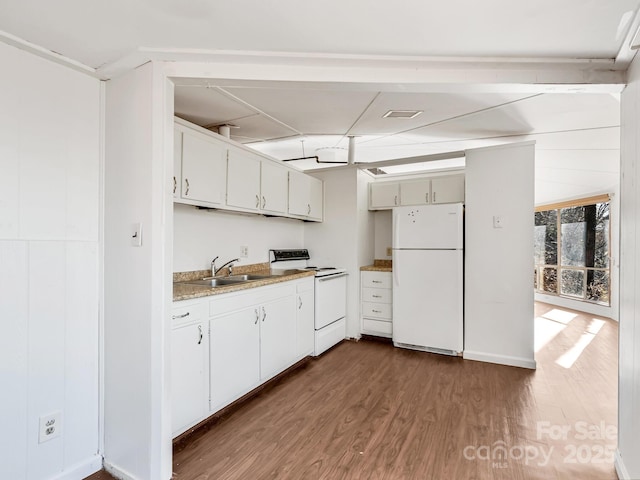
<point x="571" y="253"/>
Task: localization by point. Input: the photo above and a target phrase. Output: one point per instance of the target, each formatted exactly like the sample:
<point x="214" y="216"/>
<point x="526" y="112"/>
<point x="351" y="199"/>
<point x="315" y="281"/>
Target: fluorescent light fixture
<point x="402" y="113"/>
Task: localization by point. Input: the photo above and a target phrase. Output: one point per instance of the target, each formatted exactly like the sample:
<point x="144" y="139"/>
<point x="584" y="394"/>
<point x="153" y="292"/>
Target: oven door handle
<point x="330" y="277"/>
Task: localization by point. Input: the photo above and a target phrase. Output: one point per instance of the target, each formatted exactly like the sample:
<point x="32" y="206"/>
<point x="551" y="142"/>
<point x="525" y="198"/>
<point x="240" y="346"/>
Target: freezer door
<point x="428" y="226"/>
<point x="428" y="298"/>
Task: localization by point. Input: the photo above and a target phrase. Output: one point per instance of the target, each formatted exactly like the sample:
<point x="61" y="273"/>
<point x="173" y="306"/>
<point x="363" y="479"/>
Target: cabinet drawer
<point x="376" y="310"/>
<point x="185" y="313"/>
<point x="376" y="326"/>
<point x="376" y="279"/>
<point x="376" y="295"/>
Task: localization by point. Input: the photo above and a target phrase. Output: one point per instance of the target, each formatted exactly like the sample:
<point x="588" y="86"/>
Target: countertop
<point x="183" y="291"/>
<point x="378" y="266"/>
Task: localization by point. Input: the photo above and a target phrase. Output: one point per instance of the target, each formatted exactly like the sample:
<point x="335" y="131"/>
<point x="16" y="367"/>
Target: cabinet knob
<point x="175" y="184"/>
<point x="181" y="316"/>
<point x="257" y="201"/>
<point x="395" y="200"/>
<point x="257" y="316"/>
<point x="264" y="314"/>
<point x="200" y="331"/>
<point x="264" y="202"/>
<point x="186" y="182"/>
<point x="299" y="303"/>
<point x="308" y="208"/>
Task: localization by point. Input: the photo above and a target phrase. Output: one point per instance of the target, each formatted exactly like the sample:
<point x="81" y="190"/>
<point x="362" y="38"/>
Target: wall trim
<point x="500" y="359"/>
<point x="585" y="307"/>
<point x="82" y="469"/>
<point x="621" y="470"/>
<point x="118" y="472"/>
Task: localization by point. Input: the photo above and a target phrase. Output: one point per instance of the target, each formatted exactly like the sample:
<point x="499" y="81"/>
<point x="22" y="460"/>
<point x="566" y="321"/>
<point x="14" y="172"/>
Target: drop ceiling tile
<point x="307" y="110"/>
<point x="207" y="106"/>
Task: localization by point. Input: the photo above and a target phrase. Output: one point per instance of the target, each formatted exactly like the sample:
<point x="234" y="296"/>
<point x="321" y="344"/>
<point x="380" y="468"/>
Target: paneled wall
<point x="49" y="266"/>
<point x="628" y="455"/>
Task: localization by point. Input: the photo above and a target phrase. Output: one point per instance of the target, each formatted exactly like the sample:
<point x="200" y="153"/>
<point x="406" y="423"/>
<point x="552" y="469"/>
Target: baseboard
<point x="500" y="359"/>
<point x="621" y="470"/>
<point x="118" y="472"/>
<point x="82" y="469"/>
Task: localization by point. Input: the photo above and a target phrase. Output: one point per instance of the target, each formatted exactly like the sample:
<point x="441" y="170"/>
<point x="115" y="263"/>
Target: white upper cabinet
<point x="384" y="195"/>
<point x="273" y="184"/>
<point x="316" y="198"/>
<point x="243" y="180"/>
<point x="215" y="172"/>
<point x="415" y="192"/>
<point x="422" y="191"/>
<point x="204" y="169"/>
<point x="447" y="189"/>
<point x="299" y="194"/>
<point x="177" y="162"/>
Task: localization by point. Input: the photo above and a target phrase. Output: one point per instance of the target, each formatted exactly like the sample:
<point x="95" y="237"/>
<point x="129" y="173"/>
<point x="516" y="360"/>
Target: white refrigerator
<point x="428" y="278"/>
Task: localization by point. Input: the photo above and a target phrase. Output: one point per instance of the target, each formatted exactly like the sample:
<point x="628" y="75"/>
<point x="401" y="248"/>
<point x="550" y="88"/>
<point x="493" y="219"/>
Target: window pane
<point x="573" y="236"/>
<point x="572" y="282"/>
<point x="550" y="280"/>
<point x="598" y="286"/>
<point x="601" y="246"/>
<point x="546" y="238"/>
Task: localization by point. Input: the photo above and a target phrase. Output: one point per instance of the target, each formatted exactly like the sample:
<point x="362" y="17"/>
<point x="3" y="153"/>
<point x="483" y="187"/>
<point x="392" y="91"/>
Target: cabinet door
<point x="177" y="162"/>
<point x="277" y="336"/>
<point x="299" y="195"/>
<point x="234" y="354"/>
<point x="316" y="198"/>
<point x="447" y="189"/>
<point x="415" y="192"/>
<point x="243" y="180"/>
<point x="188" y="379"/>
<point x="204" y="169"/>
<point x="384" y="195"/>
<point x="304" y="327"/>
<point x="274" y="187"/>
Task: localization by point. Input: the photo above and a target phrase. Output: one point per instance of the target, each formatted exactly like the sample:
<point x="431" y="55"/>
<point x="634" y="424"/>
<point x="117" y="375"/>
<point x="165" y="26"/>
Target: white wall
<point x="628" y="455"/>
<point x="200" y="235"/>
<point x="49" y="266"/>
<point x="338" y="240"/>
<point x="137" y="280"/>
<point x="382" y="233"/>
<point x="499" y="261"/>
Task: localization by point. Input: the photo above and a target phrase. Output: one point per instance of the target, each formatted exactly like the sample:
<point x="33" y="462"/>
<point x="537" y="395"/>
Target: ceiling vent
<point x="402" y="113"/>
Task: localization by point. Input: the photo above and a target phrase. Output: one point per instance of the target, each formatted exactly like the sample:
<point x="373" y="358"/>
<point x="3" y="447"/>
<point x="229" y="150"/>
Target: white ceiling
<point x="274" y="117"/>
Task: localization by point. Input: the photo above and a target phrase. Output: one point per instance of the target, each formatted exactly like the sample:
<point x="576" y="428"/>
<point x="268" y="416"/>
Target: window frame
<point x="539" y="268"/>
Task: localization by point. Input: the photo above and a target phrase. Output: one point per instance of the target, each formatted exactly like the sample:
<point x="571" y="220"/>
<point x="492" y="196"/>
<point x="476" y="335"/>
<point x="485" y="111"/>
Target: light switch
<point x="498" y="221"/>
<point x="136" y="235"/>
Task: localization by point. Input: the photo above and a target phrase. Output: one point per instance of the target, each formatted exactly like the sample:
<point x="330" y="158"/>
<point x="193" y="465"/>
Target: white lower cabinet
<point x="277" y="336"/>
<point x="376" y="303"/>
<point x="189" y="363"/>
<point x="248" y="338"/>
<point x="234" y="356"/>
<point x="305" y="317"/>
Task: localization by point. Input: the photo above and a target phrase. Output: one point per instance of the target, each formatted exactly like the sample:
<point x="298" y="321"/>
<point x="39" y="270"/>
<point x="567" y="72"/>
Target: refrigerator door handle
<point x="396" y="236"/>
<point x="395" y="268"/>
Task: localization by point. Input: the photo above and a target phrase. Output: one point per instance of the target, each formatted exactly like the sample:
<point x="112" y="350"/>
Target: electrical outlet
<point x="389" y="253"/>
<point x="50" y="426"/>
<point x="244" y="251"/>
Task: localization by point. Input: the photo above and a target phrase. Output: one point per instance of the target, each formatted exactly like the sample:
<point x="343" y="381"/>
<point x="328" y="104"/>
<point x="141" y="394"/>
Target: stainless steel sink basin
<point x="246" y="278"/>
<point x="231" y="280"/>
<point x="215" y="282"/>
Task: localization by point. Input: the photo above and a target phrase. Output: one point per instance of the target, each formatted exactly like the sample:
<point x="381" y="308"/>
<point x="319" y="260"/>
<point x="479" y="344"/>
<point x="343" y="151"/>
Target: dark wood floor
<point x="367" y="410"/>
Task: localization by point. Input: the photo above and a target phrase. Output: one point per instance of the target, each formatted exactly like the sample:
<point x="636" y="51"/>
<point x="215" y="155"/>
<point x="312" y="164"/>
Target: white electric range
<point x="330" y="295"/>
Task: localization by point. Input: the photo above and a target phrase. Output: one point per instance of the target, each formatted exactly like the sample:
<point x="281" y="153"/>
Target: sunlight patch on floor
<point x="545" y="331"/>
<point x="561" y="316"/>
<point x="568" y="358"/>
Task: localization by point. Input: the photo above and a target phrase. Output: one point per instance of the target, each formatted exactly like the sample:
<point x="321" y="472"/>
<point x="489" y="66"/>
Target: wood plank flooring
<point x="366" y="410"/>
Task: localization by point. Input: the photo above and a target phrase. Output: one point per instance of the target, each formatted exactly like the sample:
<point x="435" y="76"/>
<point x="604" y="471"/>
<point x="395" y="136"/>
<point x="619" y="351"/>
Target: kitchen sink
<point x="246" y="278"/>
<point x="231" y="280"/>
<point x="215" y="282"/>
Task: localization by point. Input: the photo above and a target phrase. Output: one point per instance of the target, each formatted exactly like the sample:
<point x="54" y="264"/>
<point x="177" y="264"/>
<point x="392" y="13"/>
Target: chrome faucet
<point x="214" y="270"/>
